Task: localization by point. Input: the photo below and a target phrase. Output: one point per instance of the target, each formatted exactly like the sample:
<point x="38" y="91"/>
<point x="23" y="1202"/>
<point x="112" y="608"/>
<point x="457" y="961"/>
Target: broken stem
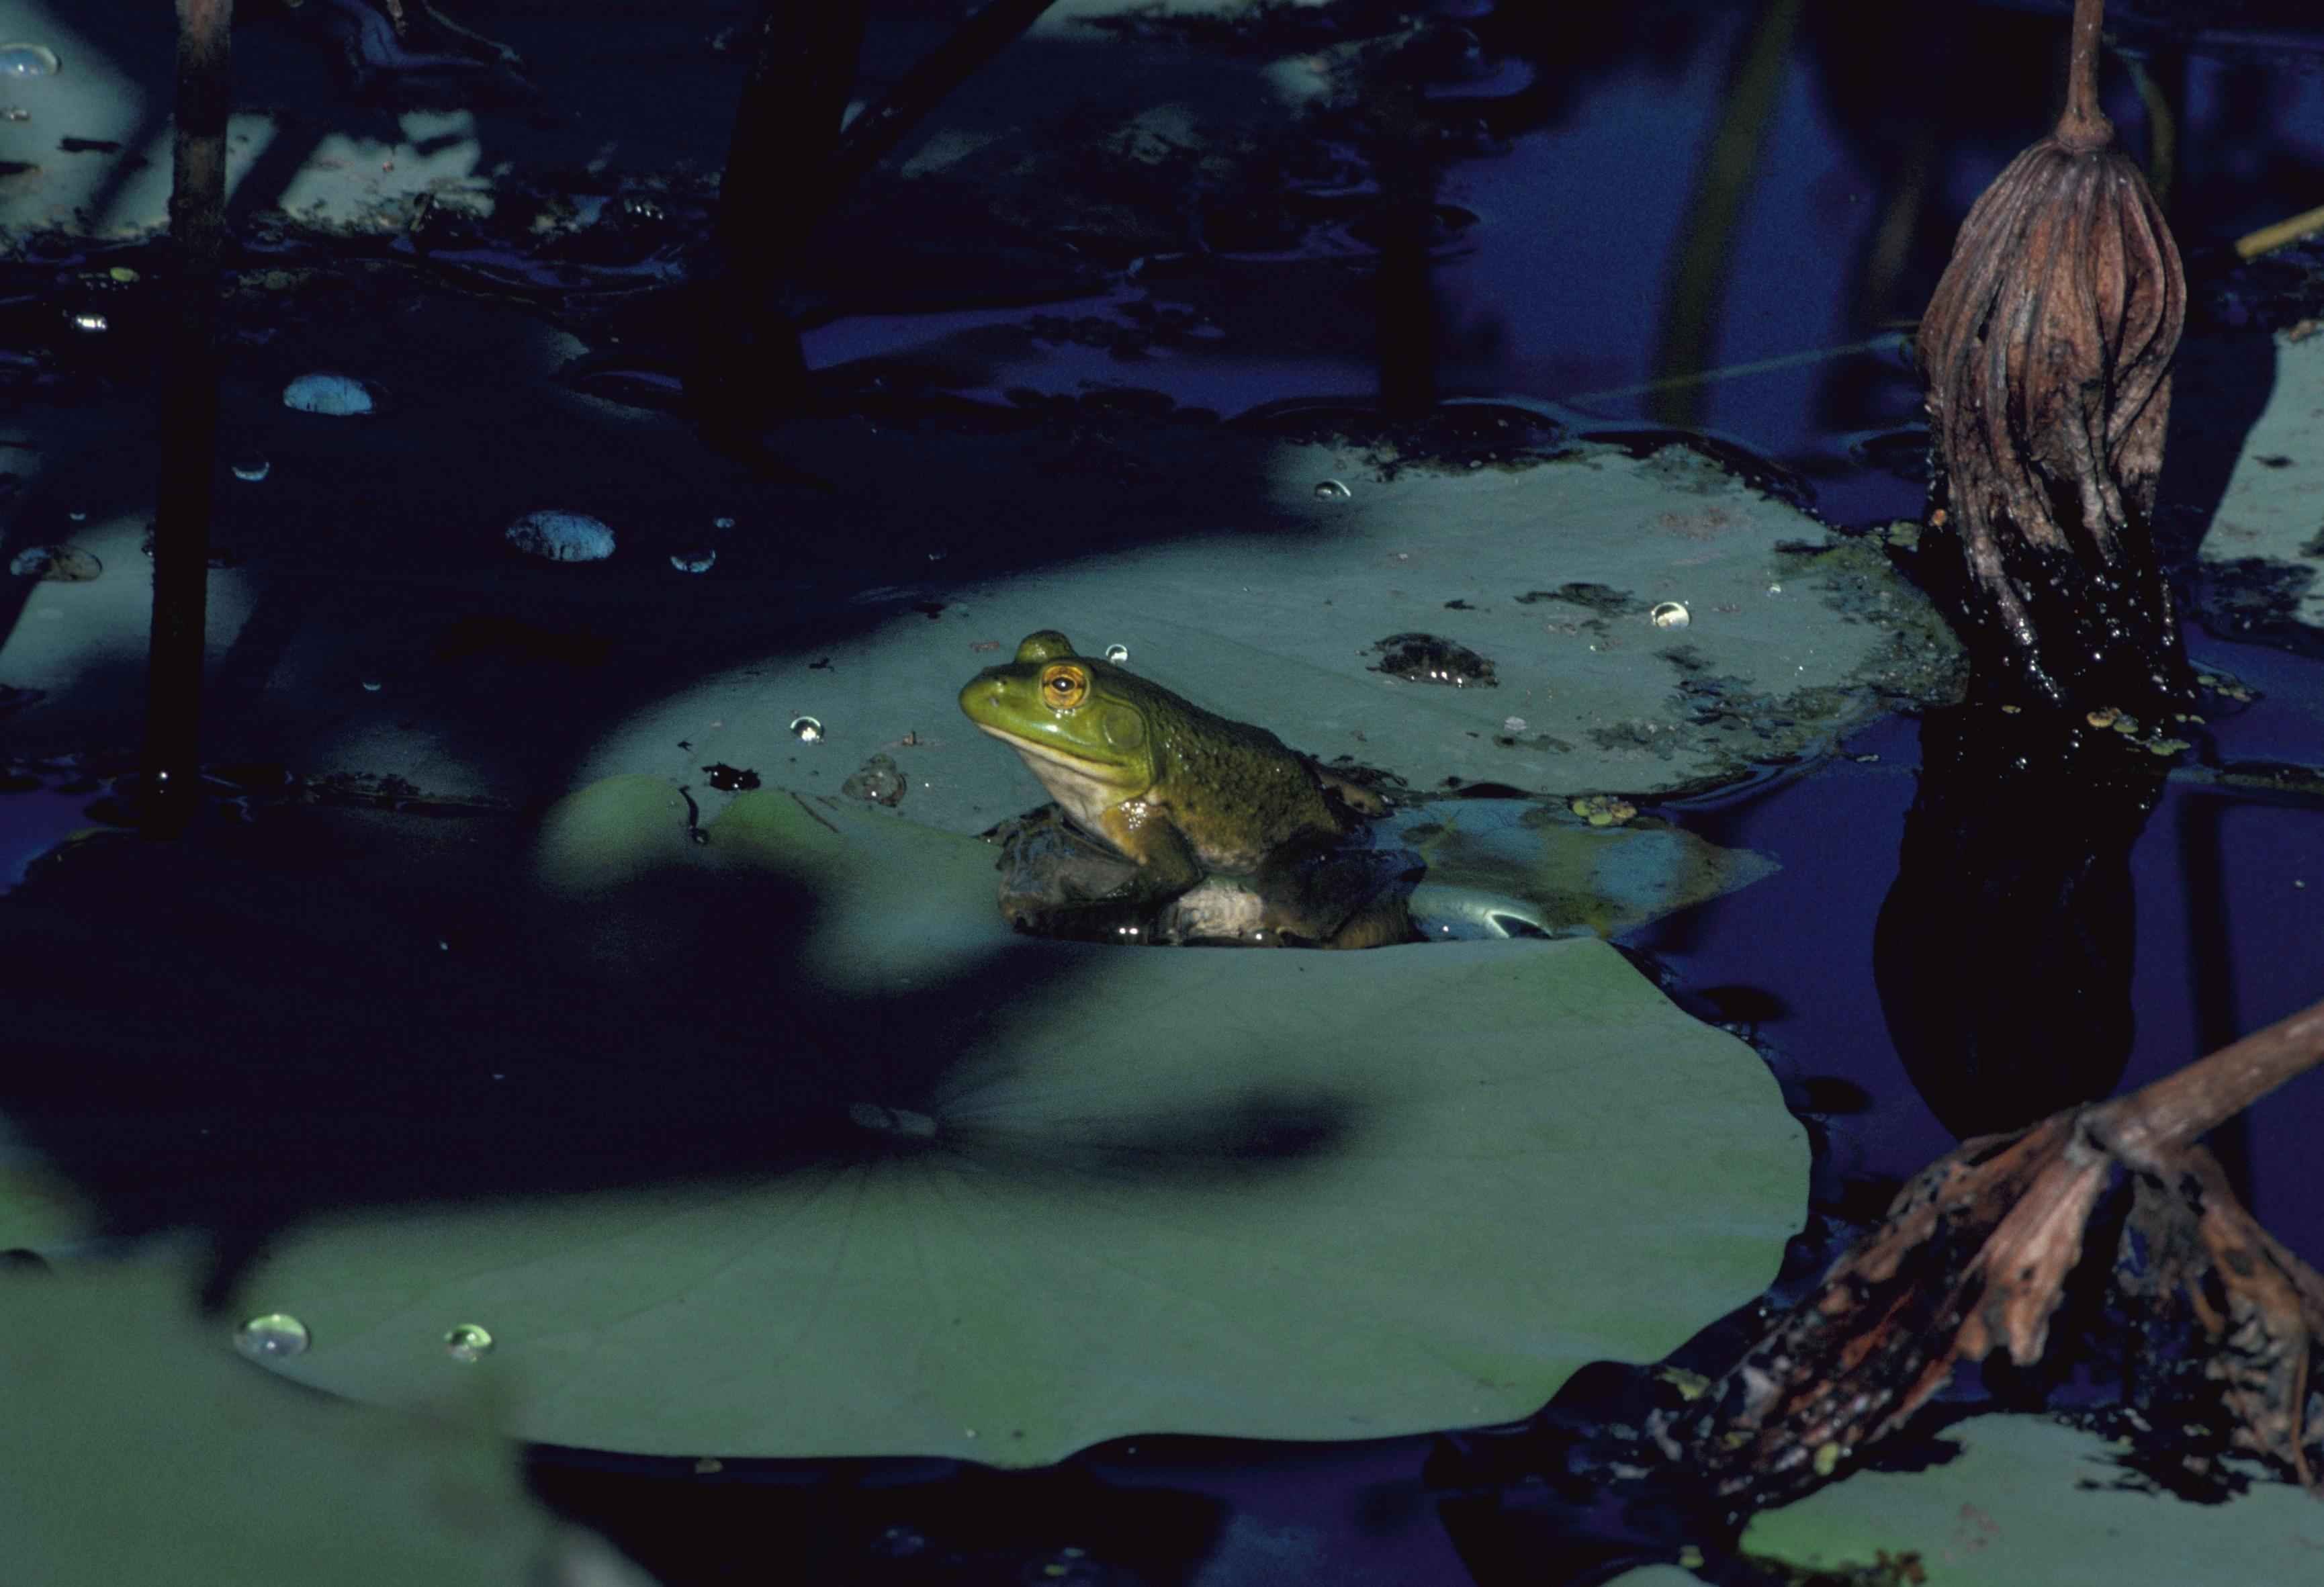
<point x="2180" y="1108"/>
<point x="2084" y="127"/>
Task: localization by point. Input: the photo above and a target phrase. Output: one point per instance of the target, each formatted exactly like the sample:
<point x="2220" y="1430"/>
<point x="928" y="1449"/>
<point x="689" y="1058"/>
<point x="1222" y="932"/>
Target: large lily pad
<point x="1549" y="571"/>
<point x="2033" y="1502"/>
<point x="1242" y="1192"/>
<point x="135" y="1450"/>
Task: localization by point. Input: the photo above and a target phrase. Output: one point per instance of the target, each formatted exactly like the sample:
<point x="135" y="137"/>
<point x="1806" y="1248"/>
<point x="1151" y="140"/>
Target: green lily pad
<point x="2032" y="1502"/>
<point x="1784" y="645"/>
<point x="137" y="1448"/>
<point x="1256" y="1194"/>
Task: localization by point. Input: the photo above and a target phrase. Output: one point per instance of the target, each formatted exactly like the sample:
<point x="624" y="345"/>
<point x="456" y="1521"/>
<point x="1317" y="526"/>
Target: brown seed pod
<point x="2047" y="350"/>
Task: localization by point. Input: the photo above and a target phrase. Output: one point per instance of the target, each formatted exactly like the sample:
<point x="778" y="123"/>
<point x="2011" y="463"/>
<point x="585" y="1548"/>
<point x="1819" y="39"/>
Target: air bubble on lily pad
<point x="1116" y="654"/>
<point x="1670" y="615"/>
<point x="1331" y="490"/>
<point x="55" y="564"/>
<point x="694" y="561"/>
<point x="806" y="730"/>
<point x="271" y="1336"/>
<point x="29" y="60"/>
<point x="469" y="1342"/>
<point x="562" y="536"/>
<point x="252" y="469"/>
<point x="340" y="396"/>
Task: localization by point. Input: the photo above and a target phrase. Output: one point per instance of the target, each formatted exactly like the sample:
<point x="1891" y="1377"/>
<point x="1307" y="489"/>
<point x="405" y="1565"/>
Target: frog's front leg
<point x="1145" y="835"/>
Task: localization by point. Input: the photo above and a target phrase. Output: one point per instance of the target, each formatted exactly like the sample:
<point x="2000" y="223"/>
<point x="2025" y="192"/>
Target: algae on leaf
<point x="2033" y="1502"/>
<point x="1268" y="1195"/>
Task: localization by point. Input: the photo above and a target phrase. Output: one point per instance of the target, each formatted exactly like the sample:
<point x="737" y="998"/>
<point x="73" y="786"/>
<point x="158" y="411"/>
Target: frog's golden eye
<point x="1064" y="686"/>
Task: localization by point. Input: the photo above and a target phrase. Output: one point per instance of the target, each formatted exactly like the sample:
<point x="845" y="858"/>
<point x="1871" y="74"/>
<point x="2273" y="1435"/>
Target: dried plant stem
<point x="2084" y="127"/>
<point x="1974" y="1256"/>
<point x="2181" y="1108"/>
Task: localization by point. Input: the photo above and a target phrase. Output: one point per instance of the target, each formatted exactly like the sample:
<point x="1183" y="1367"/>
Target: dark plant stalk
<point x="1714" y="213"/>
<point x="188" y="418"/>
<point x="872" y="135"/>
<point x="788" y="165"/>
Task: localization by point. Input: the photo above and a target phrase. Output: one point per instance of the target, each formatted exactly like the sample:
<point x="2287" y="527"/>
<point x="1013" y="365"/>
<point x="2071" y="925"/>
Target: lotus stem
<point x="2269" y="238"/>
<point x="2084" y="127"/>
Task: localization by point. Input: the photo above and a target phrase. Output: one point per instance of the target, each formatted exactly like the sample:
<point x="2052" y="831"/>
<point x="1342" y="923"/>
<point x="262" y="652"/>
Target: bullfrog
<point x="1183" y="796"/>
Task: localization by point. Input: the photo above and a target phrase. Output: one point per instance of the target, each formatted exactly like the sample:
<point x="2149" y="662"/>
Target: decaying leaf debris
<point x="2047" y="350"/>
<point x="1975" y="1255"/>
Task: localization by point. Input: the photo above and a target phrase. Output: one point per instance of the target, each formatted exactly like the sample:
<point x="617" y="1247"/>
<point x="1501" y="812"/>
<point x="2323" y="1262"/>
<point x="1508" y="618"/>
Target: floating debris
<point x="55" y="564"/>
<point x="880" y="781"/>
<point x="1331" y="490"/>
<point x="271" y="1336"/>
<point x="340" y="396"/>
<point x="468" y="1342"/>
<point x="1669" y="614"/>
<point x="694" y="561"/>
<point x="1603" y="809"/>
<point x="562" y="536"/>
<point x="1423" y="658"/>
<point x="89" y="322"/>
<point x="728" y="779"/>
<point x="29" y="60"/>
<point x="806" y="730"/>
<point x="1116" y="654"/>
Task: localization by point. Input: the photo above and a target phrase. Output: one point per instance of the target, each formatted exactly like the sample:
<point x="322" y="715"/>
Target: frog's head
<point x="1076" y="720"/>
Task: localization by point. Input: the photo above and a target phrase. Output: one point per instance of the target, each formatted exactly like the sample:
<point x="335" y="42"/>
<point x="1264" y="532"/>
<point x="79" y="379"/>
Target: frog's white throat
<point x="1078" y="789"/>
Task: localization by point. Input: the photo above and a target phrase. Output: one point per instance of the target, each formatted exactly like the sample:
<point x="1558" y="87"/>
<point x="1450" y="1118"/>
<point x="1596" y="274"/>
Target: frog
<point x="1160" y="799"/>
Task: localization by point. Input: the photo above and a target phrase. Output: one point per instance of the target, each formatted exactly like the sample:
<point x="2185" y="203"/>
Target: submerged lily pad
<point x="135" y="1450"/>
<point x="2030" y="1501"/>
<point x="1254" y="1195"/>
<point x="1552" y="870"/>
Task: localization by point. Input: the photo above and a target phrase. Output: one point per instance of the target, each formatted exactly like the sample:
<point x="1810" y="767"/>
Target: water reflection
<point x="2003" y="951"/>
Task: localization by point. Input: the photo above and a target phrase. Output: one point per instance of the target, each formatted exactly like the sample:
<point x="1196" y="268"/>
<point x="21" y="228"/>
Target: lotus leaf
<point x="2028" y="1501"/>
<point x="1262" y="1193"/>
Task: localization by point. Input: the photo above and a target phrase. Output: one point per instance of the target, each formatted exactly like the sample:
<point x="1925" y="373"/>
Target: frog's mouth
<point x="1092" y="779"/>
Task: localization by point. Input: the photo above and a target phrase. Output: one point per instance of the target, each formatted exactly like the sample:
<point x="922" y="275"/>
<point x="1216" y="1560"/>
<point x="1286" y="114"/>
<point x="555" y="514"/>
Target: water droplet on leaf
<point x="271" y="1336"/>
<point x="29" y="60"/>
<point x="470" y="1341"/>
